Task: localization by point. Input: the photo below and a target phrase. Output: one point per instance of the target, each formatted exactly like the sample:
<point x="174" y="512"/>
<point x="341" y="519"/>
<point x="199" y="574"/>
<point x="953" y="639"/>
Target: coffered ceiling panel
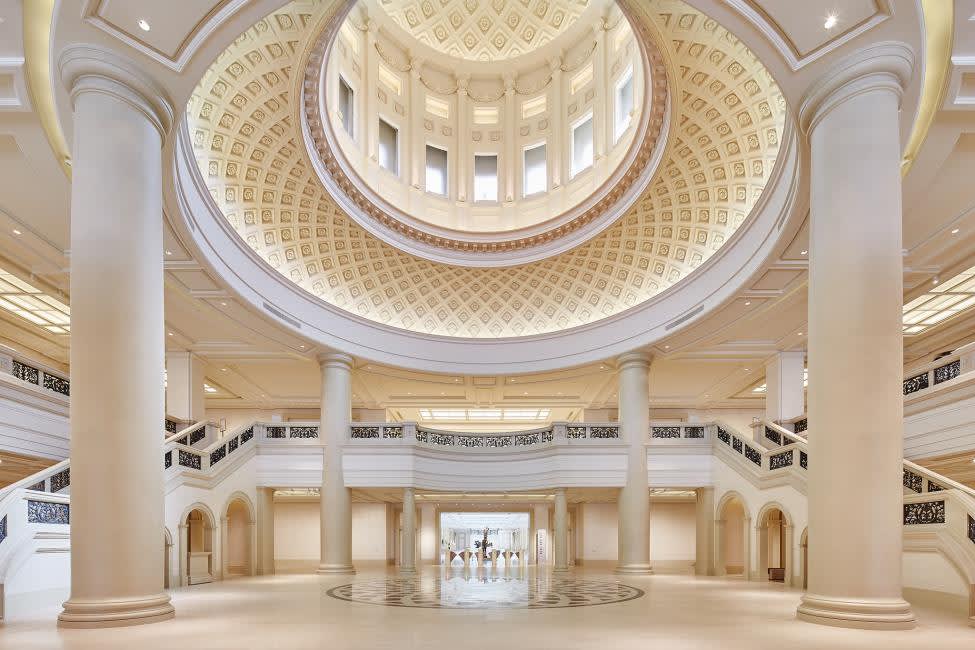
<point x="726" y="134"/>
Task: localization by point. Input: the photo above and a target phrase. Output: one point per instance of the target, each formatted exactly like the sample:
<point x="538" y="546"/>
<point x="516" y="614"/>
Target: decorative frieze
<point x="913" y="481"/>
<point x="665" y="432"/>
<point x="925" y="512"/>
<point x="304" y="432"/>
<point x="44" y="512"/>
<point x="186" y="459"/>
<point x="217" y="455"/>
<point x="915" y="383"/>
<point x="61" y="480"/>
<point x="275" y="432"/>
<point x="947" y="371"/>
<point x="779" y="461"/>
<point x="753" y="455"/>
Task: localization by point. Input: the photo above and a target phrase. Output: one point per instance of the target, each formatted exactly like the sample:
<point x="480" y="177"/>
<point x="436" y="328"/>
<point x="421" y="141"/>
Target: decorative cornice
<point x="887" y="65"/>
<point x="607" y="204"/>
<point x="91" y="68"/>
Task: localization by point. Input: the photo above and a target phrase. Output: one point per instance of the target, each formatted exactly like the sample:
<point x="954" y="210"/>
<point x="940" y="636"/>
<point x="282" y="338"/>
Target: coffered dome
<point x="481" y="30"/>
<point x="727" y="122"/>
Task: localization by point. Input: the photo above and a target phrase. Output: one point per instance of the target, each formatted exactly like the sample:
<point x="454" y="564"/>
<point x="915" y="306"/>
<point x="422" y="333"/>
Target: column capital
<point x="335" y="360"/>
<point x="85" y="67"/>
<point x="635" y="358"/>
<point x="888" y="65"/>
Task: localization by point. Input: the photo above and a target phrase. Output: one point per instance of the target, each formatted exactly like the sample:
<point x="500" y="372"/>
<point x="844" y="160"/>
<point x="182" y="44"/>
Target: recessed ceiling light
<point x="748" y="302"/>
<point x="223" y="370"/>
<point x="830" y="21"/>
<point x="222" y="303"/>
<point x="143" y="25"/>
<point x="169" y="252"/>
<point x="666" y="347"/>
<point x="17" y="232"/>
<point x="803" y="252"/>
<point x="302" y="346"/>
<point x="170" y="333"/>
<point x="748" y="369"/>
<point x="954" y="231"/>
<point x="935" y="280"/>
<point x="800" y="333"/>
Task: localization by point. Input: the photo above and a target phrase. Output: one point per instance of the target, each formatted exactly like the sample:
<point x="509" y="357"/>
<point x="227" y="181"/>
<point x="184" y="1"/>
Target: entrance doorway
<point x="484" y="539"/>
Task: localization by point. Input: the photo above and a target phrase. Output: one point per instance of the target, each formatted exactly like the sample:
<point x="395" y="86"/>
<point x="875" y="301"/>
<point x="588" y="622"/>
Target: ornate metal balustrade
<point x="924" y="512"/>
<point x="677" y="431"/>
<point x="40" y="378"/>
<point x="379" y="431"/>
<point x="913" y="481"/>
<point x="932" y="376"/>
<point x="409" y="432"/>
<point x="436" y="438"/>
<point x="773" y="435"/>
<point x="203" y="459"/>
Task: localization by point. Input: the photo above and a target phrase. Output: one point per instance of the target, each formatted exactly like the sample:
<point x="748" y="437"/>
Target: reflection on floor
<point x="295" y="612"/>
<point x="494" y="589"/>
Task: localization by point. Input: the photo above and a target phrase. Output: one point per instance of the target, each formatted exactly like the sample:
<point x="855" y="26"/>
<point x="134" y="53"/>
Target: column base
<point x="335" y="569"/>
<point x="561" y="569"/>
<point x="85" y="613"/>
<point x="634" y="569"/>
<point x="866" y="614"/>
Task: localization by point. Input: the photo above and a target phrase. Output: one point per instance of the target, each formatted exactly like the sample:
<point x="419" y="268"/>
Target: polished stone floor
<point x="296" y="611"/>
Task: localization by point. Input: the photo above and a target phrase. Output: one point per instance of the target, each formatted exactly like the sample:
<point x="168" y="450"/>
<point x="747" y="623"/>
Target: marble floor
<point x="377" y="609"/>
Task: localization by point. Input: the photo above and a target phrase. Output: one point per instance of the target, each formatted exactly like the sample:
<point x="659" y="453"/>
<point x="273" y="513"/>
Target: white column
<point x="510" y="162"/>
<point x="634" y="499"/>
<point x="540" y="537"/>
<point x="370" y="123"/>
<point x="265" y="531"/>
<point x="785" y="393"/>
<point x="336" y="505"/>
<point x="117" y="332"/>
<point x="463" y="163"/>
<point x="408" y="555"/>
<point x="557" y="124"/>
<point x="561" y="531"/>
<point x="704" y="542"/>
<point x="855" y="342"/>
<point x="184" y="386"/>
<point x="429" y="541"/>
<point x="416" y="142"/>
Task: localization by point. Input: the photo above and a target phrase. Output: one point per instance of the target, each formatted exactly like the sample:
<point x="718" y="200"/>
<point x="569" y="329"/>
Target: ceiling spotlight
<point x="954" y="231"/>
<point x="830" y="21"/>
<point x="800" y="333"/>
<point x="935" y="280"/>
<point x="223" y="370"/>
<point x="17" y="232"/>
<point x="223" y="304"/>
<point x="143" y="25"/>
<point x="170" y="333"/>
<point x="803" y="252"/>
<point x="748" y="302"/>
<point x="302" y="346"/>
<point x="169" y="252"/>
<point x="666" y="347"/>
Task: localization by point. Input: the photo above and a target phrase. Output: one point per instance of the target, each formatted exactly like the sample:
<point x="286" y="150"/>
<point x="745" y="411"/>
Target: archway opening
<point x="732" y="551"/>
<point x="773" y="546"/>
<point x="198" y="548"/>
<point x="238" y="549"/>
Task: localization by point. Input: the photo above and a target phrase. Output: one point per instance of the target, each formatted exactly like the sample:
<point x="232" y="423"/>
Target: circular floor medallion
<point x="486" y="592"/>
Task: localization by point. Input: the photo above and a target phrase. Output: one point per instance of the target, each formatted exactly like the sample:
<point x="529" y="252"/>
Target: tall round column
<point x="704" y="514"/>
<point x="561" y="531"/>
<point x="336" y="504"/>
<point x="634" y="499"/>
<point x="407" y="562"/>
<point x="855" y="342"/>
<point x="117" y="334"/>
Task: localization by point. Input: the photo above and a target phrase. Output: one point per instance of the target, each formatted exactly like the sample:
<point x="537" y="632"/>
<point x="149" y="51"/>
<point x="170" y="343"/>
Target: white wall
<point x="932" y="572"/>
<point x="297" y="534"/>
<point x="33" y="421"/>
<point x="673" y="530"/>
<point x="599" y="533"/>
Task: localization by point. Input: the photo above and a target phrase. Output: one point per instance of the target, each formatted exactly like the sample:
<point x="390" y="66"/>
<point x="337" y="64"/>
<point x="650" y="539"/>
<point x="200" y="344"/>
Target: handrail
<point x="188" y="430"/>
<point x="34" y="478"/>
<point x="944" y="481"/>
<point x="955" y="355"/>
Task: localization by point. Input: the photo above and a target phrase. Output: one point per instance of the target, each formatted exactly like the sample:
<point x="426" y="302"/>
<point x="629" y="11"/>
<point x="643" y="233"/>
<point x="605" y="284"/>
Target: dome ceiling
<point x="243" y="120"/>
<point x="484" y="30"/>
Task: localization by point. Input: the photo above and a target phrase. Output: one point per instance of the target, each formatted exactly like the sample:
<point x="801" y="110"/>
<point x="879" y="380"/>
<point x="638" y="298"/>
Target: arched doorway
<point x="238" y="528"/>
<point x="774" y="531"/>
<point x="732" y="545"/>
<point x="196" y="546"/>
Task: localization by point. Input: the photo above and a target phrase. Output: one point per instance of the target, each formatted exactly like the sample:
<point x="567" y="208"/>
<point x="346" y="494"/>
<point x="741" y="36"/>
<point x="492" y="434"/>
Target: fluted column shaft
<point x="117" y="332"/>
<point x="561" y="530"/>
<point x="634" y="499"/>
<point x="336" y="505"/>
<point x="407" y="562"/>
<point x="855" y="342"/>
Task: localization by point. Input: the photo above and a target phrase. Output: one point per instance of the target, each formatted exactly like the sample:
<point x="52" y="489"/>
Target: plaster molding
<point x="92" y="68"/>
<point x="887" y="65"/>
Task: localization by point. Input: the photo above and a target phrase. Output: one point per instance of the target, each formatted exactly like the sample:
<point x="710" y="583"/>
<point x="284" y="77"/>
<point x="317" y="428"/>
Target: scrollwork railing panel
<point x="779" y="461"/>
<point x="947" y="372"/>
<point x="915" y="383"/>
<point x="924" y="512"/>
<point x="665" y="432"/>
<point x="913" y="481"/>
